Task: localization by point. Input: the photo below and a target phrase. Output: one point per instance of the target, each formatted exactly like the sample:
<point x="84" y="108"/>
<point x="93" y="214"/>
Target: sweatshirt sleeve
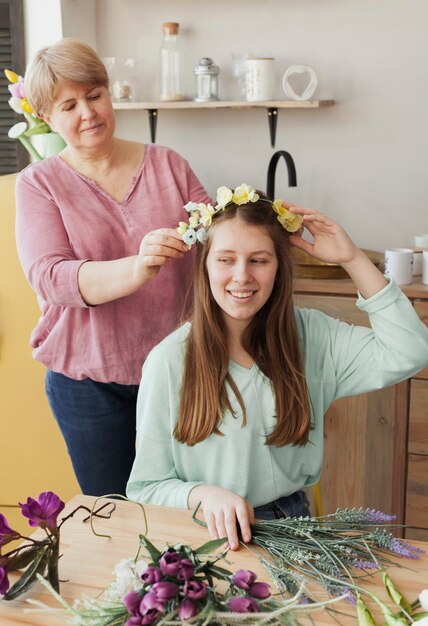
<point x="44" y="249"/>
<point x="393" y="349"/>
<point x="154" y="478"/>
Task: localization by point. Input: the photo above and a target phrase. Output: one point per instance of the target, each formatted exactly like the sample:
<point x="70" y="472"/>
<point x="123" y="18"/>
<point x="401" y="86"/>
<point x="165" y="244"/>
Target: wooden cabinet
<point x="376" y="444"/>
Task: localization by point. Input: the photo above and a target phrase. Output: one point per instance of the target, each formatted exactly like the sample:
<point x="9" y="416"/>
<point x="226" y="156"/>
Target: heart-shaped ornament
<point x="299" y="71"/>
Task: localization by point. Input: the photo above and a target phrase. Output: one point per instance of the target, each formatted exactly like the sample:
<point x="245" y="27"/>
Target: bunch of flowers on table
<point x="335" y="553"/>
<point x="37" y="556"/>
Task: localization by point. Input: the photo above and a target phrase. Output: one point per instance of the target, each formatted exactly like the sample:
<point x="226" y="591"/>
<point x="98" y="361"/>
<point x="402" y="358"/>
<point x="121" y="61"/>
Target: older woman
<point x="92" y="240"/>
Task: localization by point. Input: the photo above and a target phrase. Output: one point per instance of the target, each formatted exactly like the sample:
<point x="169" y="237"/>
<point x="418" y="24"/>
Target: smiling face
<point x="83" y="115"/>
<point x="242" y="266"/>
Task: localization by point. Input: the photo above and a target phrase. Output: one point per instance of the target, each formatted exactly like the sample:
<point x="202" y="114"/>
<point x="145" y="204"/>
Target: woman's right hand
<point x="156" y="249"/>
<point x="224" y="511"/>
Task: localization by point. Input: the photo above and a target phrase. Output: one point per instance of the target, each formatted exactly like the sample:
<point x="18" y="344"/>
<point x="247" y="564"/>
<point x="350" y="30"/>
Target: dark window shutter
<point x="13" y="156"/>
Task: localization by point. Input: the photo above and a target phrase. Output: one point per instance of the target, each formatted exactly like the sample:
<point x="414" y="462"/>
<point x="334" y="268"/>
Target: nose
<point x="242" y="272"/>
<point x="86" y="110"/>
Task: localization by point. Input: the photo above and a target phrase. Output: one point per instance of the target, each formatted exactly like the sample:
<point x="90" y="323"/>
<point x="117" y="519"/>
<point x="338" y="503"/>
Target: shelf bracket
<point x="272" y="119"/>
<point x="153" y="118"/>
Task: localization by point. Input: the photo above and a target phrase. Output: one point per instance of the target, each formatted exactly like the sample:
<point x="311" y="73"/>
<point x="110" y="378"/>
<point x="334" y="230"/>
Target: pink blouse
<point x="64" y="219"/>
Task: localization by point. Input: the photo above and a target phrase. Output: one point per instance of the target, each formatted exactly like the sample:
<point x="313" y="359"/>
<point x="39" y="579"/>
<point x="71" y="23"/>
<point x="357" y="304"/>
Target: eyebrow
<point x="234" y="252"/>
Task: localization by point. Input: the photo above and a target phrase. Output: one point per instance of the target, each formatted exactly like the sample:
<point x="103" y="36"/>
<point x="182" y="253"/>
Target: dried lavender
<point x="335" y="551"/>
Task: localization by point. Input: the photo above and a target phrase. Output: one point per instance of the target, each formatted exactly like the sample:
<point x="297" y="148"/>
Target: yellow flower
<point x="290" y="221"/>
<point x="26" y="105"/>
<point x="206" y="212"/>
<point x="244" y="194"/>
<point x="12" y="77"/>
<point x="278" y="208"/>
<point x="182" y="227"/>
<point x="194" y="220"/>
<point x="224" y="196"/>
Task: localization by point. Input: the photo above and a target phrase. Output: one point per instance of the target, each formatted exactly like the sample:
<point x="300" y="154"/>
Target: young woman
<point x="231" y="405"/>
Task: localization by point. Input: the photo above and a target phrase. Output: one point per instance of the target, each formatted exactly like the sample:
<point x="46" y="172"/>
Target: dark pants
<point x="97" y="421"/>
<point x="296" y="505"/>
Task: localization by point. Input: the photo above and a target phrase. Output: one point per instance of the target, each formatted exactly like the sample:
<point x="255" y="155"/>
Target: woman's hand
<point x="224" y="512"/>
<point x="104" y="281"/>
<point x="331" y="243"/>
<point x="156" y="249"/>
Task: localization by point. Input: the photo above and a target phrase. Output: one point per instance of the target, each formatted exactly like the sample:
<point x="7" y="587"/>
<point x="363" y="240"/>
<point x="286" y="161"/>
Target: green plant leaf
<point x="155" y="554"/>
<point x="211" y="546"/>
<point x="395" y="594"/>
<point x="365" y="618"/>
<point x="22" y="559"/>
<point x="417" y="616"/>
<point x="29" y="577"/>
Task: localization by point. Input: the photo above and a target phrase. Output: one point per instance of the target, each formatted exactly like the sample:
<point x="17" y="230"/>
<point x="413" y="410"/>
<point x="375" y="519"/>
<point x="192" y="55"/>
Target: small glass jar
<point x="206" y="74"/>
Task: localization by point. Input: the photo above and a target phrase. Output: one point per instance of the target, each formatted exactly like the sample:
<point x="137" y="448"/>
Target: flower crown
<point x="201" y="214"/>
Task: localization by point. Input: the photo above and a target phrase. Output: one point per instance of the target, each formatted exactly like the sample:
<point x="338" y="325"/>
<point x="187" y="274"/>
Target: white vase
<point x="48" y="144"/>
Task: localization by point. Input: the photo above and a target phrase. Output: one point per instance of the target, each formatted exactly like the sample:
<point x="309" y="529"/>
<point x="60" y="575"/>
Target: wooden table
<point x="88" y="561"/>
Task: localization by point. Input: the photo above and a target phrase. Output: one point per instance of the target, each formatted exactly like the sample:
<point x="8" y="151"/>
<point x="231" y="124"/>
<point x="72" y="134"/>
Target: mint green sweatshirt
<point x="340" y="360"/>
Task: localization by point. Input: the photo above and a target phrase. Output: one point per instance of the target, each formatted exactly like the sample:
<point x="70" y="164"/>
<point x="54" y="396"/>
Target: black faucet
<point x="291" y="168"/>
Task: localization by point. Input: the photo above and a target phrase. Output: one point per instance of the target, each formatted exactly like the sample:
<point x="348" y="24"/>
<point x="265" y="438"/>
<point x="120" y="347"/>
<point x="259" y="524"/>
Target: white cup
<point x="260" y="79"/>
<point x="425" y="267"/>
<point x="399" y="265"/>
<point x="417" y="262"/>
<point x="421" y="241"/>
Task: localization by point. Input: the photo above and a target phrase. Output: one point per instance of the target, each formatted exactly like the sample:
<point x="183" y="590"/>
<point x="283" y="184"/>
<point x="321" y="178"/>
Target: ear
<point x="47" y="119"/>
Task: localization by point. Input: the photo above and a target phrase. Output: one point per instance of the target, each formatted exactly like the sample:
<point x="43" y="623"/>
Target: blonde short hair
<point x="66" y="62"/>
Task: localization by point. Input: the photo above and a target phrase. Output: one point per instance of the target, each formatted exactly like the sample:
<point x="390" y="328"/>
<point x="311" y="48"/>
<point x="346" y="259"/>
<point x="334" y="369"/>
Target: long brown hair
<point x="271" y="339"/>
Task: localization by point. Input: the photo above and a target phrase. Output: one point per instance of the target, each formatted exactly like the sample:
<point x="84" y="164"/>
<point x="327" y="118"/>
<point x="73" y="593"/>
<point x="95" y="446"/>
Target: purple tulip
<point x="239" y="604"/>
<point x="165" y="591"/>
<point x="187" y="609"/>
<point x="143" y="620"/>
<point x="259" y="590"/>
<point x="169" y="563"/>
<point x="186" y="570"/>
<point x="151" y="601"/>
<point x="151" y="575"/>
<point x="17" y="89"/>
<point x="132" y="601"/>
<point x="243" y="578"/>
<point x="44" y="511"/>
<point x="195" y="590"/>
<point x="6" y="532"/>
<point x="149" y="617"/>
<point x="4" y="581"/>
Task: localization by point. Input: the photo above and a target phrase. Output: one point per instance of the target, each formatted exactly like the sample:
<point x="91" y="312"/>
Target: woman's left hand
<point x="331" y="243"/>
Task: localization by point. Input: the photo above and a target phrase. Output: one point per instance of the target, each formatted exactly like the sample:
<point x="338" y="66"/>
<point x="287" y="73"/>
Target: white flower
<point x="15" y="104"/>
<point x="224" y="196"/>
<point x="127" y="573"/>
<point x="423" y="599"/>
<point x="194" y="220"/>
<point x="202" y="235"/>
<point x="206" y="211"/>
<point x="189" y="237"/>
<point x="191" y="206"/>
<point x="422" y="622"/>
<point x="244" y="194"/>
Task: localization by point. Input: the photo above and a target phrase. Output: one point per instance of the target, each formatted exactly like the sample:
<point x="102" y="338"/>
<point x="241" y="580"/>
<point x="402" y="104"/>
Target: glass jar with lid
<point x="171" y="83"/>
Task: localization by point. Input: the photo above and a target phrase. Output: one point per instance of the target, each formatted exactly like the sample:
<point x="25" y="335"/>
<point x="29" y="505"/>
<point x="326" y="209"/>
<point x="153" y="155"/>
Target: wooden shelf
<point x="271" y="107"/>
<point x="223" y="104"/>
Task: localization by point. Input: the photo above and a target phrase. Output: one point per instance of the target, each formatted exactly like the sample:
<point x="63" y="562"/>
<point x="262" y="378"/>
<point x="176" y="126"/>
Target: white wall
<point x="361" y="161"/>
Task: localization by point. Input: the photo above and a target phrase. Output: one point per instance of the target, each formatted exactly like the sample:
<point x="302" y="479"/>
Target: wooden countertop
<point x="88" y="561"/>
<point x="345" y="287"/>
